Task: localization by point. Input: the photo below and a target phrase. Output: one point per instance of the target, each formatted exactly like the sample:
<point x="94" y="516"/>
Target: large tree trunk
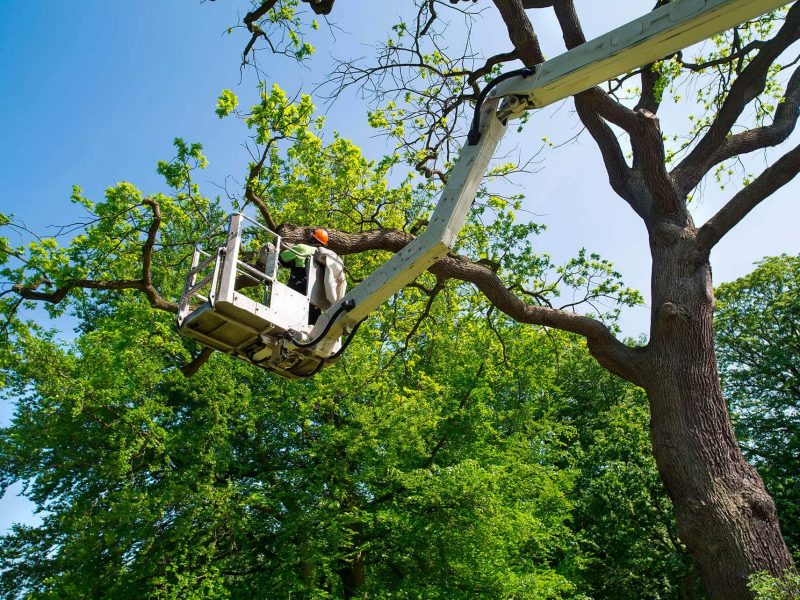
<point x="725" y="516"/>
<point x="352" y="574"/>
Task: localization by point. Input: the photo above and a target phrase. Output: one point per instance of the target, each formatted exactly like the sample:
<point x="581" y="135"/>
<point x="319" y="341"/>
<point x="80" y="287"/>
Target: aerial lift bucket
<point x="240" y="307"/>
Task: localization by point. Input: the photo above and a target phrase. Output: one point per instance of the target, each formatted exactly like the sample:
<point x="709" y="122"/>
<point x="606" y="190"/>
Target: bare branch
<point x="145" y="284"/>
<point x="250" y="192"/>
<point x="250" y="21"/>
<point x="782" y="126"/>
<point x="737" y="56"/>
<point x="434" y="93"/>
<point x="773" y="178"/>
<point x="490" y="63"/>
<point x="746" y="88"/>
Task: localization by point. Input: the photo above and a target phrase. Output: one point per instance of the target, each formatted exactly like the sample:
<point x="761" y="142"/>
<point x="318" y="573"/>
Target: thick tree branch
<point x="321" y="7"/>
<point x="30" y="292"/>
<point x="649" y="77"/>
<point x="520" y="31"/>
<point x="251" y="22"/>
<point x="783" y="124"/>
<point x="537" y="3"/>
<point x="618" y="170"/>
<point x="147" y="261"/>
<point x="649" y="160"/>
<point x="570" y="24"/>
<point x="609" y="351"/>
<point x="258" y="13"/>
<point x="595" y="107"/>
<point x="641" y="125"/>
<point x="748" y="85"/>
<point x="611" y="110"/>
<point x="766" y="184"/>
<point x="194" y="365"/>
<point x="595" y="99"/>
<point x="343" y="243"/>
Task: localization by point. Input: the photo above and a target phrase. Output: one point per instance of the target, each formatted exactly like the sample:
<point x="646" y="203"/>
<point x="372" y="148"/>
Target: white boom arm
<point x="657" y="34"/>
<point x="662" y="32"/>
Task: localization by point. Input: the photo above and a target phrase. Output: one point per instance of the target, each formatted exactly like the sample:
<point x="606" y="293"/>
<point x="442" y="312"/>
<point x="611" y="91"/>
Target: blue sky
<point x="94" y="93"/>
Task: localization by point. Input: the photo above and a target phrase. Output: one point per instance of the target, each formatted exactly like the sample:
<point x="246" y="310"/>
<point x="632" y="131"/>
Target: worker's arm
<point x="296" y="256"/>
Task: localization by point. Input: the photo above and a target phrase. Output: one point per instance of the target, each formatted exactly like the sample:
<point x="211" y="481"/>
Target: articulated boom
<point x="275" y="333"/>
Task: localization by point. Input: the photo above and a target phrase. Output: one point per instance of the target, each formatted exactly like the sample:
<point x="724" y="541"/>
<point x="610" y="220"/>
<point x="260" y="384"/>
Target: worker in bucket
<point x="296" y="257"/>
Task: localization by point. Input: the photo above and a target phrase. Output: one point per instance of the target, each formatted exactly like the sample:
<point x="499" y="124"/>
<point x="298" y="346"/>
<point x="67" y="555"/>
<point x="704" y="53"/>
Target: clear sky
<point x="93" y="92"/>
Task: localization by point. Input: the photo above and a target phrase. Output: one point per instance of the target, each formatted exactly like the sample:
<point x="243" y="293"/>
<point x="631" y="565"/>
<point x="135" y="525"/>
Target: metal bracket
<point x="514" y="106"/>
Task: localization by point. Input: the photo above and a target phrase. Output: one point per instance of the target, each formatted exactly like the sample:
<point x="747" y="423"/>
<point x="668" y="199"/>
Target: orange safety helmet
<point x="321" y="236"/>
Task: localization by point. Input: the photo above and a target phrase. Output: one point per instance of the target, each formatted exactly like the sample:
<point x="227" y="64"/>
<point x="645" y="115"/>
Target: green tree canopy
<point x="758" y="340"/>
<point x="410" y="471"/>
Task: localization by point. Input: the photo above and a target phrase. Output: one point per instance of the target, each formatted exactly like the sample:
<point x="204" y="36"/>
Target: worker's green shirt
<point x="296" y="255"/>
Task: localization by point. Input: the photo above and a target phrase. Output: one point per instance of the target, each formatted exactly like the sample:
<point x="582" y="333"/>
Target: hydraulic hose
<point x="346" y="343"/>
<point x="474" y="134"/>
<point x="316" y="370"/>
<point x="347" y="306"/>
<point x="332" y="357"/>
